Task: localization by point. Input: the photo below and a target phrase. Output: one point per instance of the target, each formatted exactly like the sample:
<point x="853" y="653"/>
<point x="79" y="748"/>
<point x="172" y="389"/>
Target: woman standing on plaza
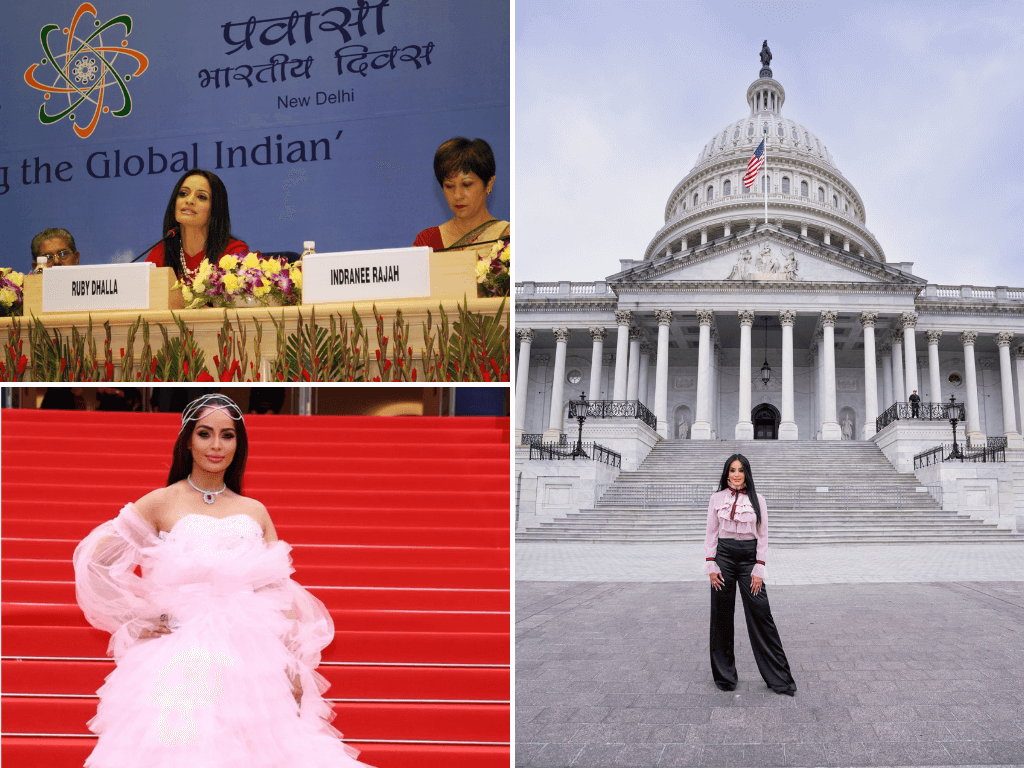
<point x="735" y="548"/>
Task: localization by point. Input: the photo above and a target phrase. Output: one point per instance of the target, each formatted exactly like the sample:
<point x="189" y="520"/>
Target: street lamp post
<point x="578" y="410"/>
<point x="954" y="418"/>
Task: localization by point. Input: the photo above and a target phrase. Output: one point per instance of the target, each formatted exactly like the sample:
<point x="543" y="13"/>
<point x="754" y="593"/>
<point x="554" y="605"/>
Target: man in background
<point x="57" y="245"/>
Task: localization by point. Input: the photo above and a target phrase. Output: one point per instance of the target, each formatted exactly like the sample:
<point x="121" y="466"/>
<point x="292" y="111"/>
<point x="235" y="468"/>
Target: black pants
<point x="737" y="558"/>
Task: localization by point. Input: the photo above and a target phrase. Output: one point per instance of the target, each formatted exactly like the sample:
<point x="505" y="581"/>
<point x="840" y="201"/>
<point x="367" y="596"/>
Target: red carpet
<point x="400" y="525"/>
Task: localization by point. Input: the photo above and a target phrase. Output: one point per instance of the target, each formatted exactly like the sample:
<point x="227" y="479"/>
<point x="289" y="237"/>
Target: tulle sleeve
<point x="312" y="628"/>
<point x="110" y="593"/>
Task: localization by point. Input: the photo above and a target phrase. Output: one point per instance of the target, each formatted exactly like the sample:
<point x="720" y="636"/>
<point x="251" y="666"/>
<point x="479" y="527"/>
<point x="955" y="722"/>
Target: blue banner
<point x="321" y="118"/>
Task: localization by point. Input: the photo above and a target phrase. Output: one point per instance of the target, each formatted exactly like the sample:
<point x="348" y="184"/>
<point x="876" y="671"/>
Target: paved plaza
<point x="902" y="655"/>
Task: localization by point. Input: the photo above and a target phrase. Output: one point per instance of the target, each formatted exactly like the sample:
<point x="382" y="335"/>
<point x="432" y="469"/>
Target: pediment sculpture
<point x="765" y="266"/>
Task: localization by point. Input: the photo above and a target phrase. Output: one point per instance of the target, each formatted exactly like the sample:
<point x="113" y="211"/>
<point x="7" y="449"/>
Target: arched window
<point x="727" y="188"/>
<point x="736" y="135"/>
<point x="782" y="131"/>
<point x="796" y="136"/>
<point x="696" y="199"/>
<point x="766" y="183"/>
<point x="746" y="189"/>
<point x="750" y="130"/>
<point x="835" y="201"/>
<point x="785" y="185"/>
<point x="721" y="142"/>
<point x="711" y="194"/>
<point x="821" y="195"/>
<point x="803" y="189"/>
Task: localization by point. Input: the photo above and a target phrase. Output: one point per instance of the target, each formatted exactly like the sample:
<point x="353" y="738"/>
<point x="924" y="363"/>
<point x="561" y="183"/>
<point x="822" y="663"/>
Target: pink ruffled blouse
<point x="732" y="516"/>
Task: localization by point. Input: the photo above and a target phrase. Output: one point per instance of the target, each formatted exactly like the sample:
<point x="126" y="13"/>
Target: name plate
<point x="93" y="287"/>
<point x="389" y="273"/>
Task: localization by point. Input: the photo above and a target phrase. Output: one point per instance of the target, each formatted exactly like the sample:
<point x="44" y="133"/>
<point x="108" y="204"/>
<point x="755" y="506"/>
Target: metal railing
<point x="592" y="451"/>
<point x="629" y="409"/>
<point x="994" y="450"/>
<point x="919" y="412"/>
<point x="792" y="498"/>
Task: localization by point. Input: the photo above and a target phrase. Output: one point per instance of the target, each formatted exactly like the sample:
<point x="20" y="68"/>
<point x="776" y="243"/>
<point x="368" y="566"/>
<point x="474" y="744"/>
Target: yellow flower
<point x="483" y="268"/>
<point x="252" y="261"/>
<point x="227" y="261"/>
<point x="271" y="266"/>
<point x="186" y="294"/>
<point x="16" y="277"/>
<point x="296" y="275"/>
<point x="230" y="282"/>
<point x="262" y="290"/>
<point x="506" y="254"/>
<point x="7" y="297"/>
<point x="205" y="268"/>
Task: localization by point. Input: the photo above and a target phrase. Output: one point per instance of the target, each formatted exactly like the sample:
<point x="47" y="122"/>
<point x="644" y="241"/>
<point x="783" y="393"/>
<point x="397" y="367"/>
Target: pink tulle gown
<point x="215" y="692"/>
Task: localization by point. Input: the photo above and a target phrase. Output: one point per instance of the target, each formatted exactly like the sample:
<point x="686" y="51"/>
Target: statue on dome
<point x="766" y="59"/>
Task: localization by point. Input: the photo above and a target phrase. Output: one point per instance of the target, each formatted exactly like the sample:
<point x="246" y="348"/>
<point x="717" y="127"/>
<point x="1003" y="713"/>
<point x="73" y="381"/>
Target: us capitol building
<point x="846" y="336"/>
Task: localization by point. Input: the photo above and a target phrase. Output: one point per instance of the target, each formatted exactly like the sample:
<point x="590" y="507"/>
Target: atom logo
<point x="85" y="70"/>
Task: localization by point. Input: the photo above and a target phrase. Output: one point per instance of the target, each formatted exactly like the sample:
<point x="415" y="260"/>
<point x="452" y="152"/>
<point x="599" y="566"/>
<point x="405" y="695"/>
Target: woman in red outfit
<point x="735" y="547"/>
<point x="198" y="214"/>
<point x="465" y="171"/>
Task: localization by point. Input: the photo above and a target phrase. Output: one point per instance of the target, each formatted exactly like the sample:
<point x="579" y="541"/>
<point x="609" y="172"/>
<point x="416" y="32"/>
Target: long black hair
<point x="181" y="462"/>
<point x="749" y="481"/>
<point x="219" y="233"/>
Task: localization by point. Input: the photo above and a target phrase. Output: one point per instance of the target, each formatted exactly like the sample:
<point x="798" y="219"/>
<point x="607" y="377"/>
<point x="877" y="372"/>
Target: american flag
<point x="756" y="161"/>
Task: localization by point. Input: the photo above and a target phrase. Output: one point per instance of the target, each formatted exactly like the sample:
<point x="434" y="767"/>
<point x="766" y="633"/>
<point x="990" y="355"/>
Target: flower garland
<point x="231" y="281"/>
<point x="11" y="292"/>
<point x="492" y="270"/>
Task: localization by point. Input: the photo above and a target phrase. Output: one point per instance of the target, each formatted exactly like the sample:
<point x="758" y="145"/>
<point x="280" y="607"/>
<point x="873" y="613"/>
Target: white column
<point x="522" y="379"/>
<point x="633" y="380"/>
<point x="909" y="322"/>
<point x="744" y="426"/>
<point x="664" y="317"/>
<point x="819" y="383"/>
<point x="1018" y="353"/>
<point x="645" y="364"/>
<point x="597" y="333"/>
<point x="974" y="433"/>
<point x="557" y="383"/>
<point x="934" y="378"/>
<point x="899" y="392"/>
<point x="715" y="367"/>
<point x="867" y="321"/>
<point x="887" y="397"/>
<point x="623" y="318"/>
<point x="830" y="429"/>
<point x="1013" y="437"/>
<point x="787" y="425"/>
<point x="701" y="429"/>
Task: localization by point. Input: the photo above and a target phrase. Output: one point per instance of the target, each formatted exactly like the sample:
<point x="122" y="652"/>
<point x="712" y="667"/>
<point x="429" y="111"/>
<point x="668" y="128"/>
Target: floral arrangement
<point x="11" y="292"/>
<point x="492" y="269"/>
<point x="235" y="282"/>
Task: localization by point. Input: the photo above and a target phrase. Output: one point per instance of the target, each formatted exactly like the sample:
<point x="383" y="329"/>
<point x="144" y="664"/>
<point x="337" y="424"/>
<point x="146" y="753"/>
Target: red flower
<point x="3" y="370"/>
<point x="22" y="362"/>
<point x="414" y="374"/>
<point x="152" y="368"/>
<point x="110" y="371"/>
<point x="387" y="366"/>
<point x="377" y="351"/>
<point x="487" y="376"/>
<point x="376" y="378"/>
<point x="204" y="375"/>
<point x="122" y="351"/>
<point x="63" y="364"/>
<point x="184" y="364"/>
<point x="216" y="361"/>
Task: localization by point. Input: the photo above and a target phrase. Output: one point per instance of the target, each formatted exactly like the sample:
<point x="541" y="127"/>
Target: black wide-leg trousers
<point x="737" y="558"/>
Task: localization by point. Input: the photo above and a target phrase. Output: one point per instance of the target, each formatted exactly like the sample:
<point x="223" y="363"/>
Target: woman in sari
<point x="465" y="171"/>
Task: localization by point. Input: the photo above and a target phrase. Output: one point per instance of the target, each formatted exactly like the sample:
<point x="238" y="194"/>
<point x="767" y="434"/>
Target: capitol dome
<point x="807" y="194"/>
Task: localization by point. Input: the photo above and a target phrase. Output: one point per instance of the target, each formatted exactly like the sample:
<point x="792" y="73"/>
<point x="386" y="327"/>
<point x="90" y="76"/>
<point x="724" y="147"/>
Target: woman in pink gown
<point x="216" y="647"/>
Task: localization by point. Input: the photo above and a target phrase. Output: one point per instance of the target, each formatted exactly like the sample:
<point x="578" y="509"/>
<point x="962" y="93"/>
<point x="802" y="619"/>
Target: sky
<point x="920" y="105"/>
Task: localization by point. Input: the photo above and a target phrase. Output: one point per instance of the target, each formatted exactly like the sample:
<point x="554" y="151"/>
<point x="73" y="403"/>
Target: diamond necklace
<point x="208" y="496"/>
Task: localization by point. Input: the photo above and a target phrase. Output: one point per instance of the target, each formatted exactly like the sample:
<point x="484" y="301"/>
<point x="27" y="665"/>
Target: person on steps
<point x="216" y="647"/>
<point x="735" y="548"/>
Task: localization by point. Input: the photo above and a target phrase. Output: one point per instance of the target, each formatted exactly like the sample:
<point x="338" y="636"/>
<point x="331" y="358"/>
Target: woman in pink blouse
<point x="735" y="548"/>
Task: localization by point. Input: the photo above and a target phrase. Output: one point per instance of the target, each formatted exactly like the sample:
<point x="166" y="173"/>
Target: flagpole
<point x="766" y="178"/>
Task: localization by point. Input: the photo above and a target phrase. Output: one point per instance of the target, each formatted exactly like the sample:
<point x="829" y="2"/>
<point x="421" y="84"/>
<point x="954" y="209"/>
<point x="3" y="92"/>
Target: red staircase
<point x="399" y="524"/>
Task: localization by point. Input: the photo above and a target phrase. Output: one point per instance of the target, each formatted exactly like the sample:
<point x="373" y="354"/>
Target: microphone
<point x="170" y="233"/>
